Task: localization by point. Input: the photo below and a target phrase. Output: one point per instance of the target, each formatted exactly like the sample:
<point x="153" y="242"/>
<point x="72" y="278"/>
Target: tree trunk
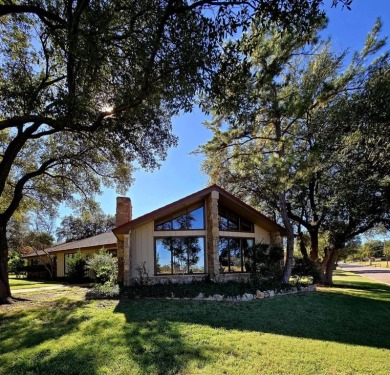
<point x="302" y="246"/>
<point x="5" y="291"/>
<point x="328" y="277"/>
<point x="314" y="256"/>
<point x="290" y="239"/>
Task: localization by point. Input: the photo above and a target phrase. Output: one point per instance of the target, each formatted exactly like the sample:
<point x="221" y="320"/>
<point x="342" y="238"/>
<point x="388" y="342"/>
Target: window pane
<point x="247" y="248"/>
<point x="180" y="255"/>
<point x="223" y="251"/>
<point x="163" y="256"/>
<point x="223" y="221"/>
<point x="246" y="226"/>
<point x="196" y="219"/>
<point x="186" y="221"/>
<point x="233" y="222"/>
<point x="194" y="250"/>
<point x="181" y="222"/>
<point x="230" y="221"/>
<point x="235" y="255"/>
<point x="164" y="226"/>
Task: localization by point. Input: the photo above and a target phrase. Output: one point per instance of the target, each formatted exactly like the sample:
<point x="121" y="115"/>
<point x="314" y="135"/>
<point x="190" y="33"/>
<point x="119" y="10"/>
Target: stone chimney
<point x="123" y="210"/>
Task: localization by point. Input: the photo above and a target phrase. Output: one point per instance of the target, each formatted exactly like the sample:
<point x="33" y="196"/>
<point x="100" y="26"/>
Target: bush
<point x="305" y="268"/>
<point x="16" y="264"/>
<point x="264" y="265"/>
<point x="76" y="267"/>
<point x="103" y="291"/>
<point x="104" y="267"/>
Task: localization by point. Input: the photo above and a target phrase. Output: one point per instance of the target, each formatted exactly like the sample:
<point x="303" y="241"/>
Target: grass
<point x="340" y="330"/>
<point x="23" y="283"/>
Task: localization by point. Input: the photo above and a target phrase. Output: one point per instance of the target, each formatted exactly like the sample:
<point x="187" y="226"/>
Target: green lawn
<point x="341" y="330"/>
<point x="24" y="283"/>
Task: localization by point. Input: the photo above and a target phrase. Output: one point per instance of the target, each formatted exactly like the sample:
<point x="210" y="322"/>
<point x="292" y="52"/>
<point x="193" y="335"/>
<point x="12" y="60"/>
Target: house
<point x="59" y="254"/>
<point x="209" y="232"/>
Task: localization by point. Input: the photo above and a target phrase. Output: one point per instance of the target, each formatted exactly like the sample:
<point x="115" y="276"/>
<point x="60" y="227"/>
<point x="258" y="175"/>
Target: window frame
<point x="155" y="238"/>
<point x="227" y="211"/>
<point x="241" y="239"/>
<point x="185" y="211"/>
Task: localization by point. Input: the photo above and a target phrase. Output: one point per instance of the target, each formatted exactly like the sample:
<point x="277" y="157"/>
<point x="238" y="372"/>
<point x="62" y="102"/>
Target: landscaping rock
<point x="271" y="293"/>
<point x="266" y="293"/>
<point x="199" y="297"/>
<point x="247" y="297"/>
<point x="217" y="297"/>
<point x="259" y="295"/>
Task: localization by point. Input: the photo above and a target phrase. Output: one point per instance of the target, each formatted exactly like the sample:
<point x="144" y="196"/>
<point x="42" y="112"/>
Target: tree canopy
<point x="292" y="118"/>
<point x="76" y="228"/>
<point x="88" y="87"/>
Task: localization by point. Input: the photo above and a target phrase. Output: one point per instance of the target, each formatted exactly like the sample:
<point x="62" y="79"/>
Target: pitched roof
<point x="225" y="198"/>
<point x="103" y="239"/>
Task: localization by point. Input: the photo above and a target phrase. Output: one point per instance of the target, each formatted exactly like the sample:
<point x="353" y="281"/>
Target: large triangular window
<point x="189" y="219"/>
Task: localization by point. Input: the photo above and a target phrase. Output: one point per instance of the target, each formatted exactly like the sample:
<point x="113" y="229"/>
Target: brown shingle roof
<point x="103" y="239"/>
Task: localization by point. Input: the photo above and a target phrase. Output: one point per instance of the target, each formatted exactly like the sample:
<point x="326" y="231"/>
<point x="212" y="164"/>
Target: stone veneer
<point x="123" y="215"/>
<point x="120" y="255"/>
<point x="212" y="234"/>
<point x="127" y="259"/>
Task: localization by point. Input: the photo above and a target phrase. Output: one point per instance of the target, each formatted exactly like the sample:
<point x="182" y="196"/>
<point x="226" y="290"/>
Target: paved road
<point x="375" y="273"/>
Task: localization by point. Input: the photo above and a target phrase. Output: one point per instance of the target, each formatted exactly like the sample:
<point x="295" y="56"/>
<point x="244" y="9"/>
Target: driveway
<point x="378" y="274"/>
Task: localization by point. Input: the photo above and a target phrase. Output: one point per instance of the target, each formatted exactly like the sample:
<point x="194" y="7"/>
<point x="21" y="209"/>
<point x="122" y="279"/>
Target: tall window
<point x="235" y="254"/>
<point x="230" y="221"/>
<point x="192" y="218"/>
<point x="179" y="255"/>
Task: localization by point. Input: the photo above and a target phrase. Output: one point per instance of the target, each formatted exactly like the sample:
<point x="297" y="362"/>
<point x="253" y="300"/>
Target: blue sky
<point x="180" y="173"/>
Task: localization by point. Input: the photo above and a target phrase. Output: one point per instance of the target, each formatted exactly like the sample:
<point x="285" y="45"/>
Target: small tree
<point x="76" y="267"/>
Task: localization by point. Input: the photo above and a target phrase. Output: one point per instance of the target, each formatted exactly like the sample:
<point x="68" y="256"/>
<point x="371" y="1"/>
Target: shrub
<point x="264" y="265"/>
<point x="305" y="268"/>
<point x="104" y="267"/>
<point x="16" y="264"/>
<point x="76" y="267"/>
<point x="102" y="291"/>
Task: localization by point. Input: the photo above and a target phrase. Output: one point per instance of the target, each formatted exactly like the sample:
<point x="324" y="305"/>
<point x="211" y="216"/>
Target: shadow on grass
<point x="153" y="336"/>
<point x="31" y="327"/>
<point x="337" y="317"/>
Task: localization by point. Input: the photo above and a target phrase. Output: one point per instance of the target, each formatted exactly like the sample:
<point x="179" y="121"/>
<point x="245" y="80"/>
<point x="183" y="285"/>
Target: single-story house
<point x="209" y="233"/>
<point x="59" y="254"/>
